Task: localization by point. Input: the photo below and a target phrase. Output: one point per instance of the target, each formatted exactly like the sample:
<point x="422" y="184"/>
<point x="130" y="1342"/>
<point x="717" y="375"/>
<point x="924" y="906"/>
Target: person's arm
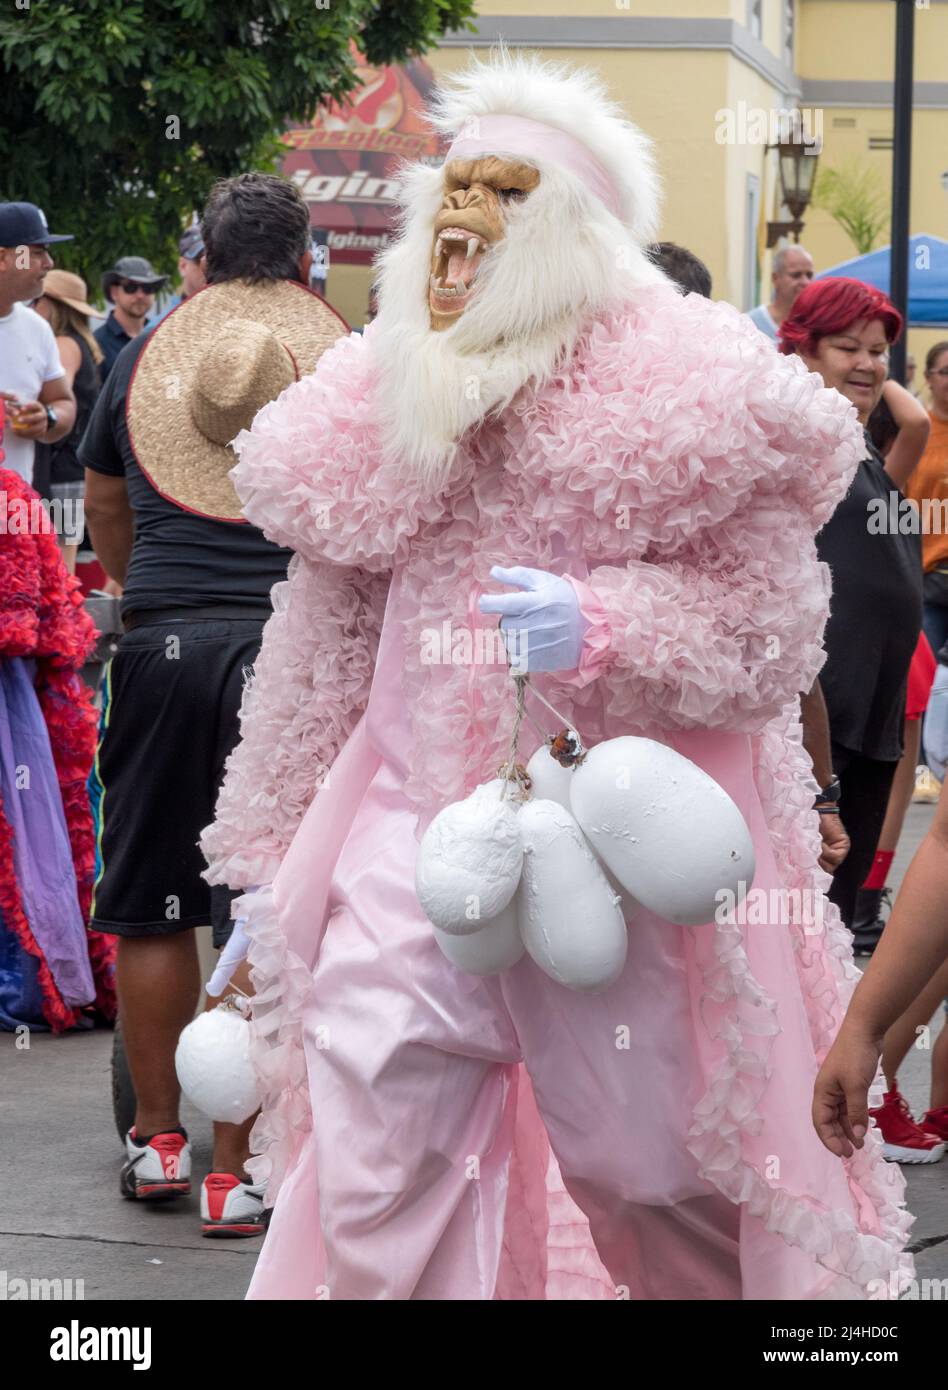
<point x="32" y="421"/>
<point x="914" y="426"/>
<point x="108" y="512"/>
<point x="58" y="394"/>
<point x="71" y="358"/>
<point x="816" y="734"/>
<point x="111" y="522"/>
<point x="913" y="946"/>
<point x="816" y="741"/>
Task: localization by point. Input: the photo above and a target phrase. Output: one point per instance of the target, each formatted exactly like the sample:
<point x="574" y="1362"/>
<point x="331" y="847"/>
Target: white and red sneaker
<point x="157" y="1167"/>
<point x="230" y="1207"/>
<point x="903" y="1141"/>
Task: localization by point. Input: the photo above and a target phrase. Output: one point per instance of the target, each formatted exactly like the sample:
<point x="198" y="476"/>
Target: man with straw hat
<point x="166" y="524"/>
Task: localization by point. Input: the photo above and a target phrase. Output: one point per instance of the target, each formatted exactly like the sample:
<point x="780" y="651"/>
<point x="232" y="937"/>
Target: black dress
<point x="875" y="619"/>
<point x="59" y="462"/>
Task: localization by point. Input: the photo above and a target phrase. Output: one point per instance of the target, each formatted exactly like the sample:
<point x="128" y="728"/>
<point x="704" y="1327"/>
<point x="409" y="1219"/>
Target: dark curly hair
<point x="689" y="273"/>
<point x="255" y="227"/>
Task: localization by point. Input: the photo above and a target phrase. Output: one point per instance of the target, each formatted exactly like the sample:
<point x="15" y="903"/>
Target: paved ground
<point x="61" y="1216"/>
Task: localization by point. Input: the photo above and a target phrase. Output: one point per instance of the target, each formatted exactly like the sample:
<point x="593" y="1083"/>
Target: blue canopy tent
<point x="928" y="278"/>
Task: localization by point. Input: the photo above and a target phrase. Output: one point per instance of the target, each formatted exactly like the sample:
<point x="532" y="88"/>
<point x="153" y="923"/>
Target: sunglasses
<point x="133" y="287"/>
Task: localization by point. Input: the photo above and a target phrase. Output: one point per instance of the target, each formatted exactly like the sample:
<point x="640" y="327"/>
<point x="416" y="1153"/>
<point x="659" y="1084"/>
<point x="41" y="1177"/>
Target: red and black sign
<point x="343" y="162"/>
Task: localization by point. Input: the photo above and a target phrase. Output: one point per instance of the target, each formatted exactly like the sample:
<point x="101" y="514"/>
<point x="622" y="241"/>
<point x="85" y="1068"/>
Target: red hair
<point x="833" y="305"/>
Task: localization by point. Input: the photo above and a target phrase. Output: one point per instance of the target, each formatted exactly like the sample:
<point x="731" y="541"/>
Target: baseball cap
<point x="191" y="244"/>
<point x="133" y="268"/>
<point x="24" y="224"/>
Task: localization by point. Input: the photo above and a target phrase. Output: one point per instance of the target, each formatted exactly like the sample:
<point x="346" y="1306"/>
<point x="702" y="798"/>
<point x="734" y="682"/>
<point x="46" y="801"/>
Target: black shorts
<point x="171" y="698"/>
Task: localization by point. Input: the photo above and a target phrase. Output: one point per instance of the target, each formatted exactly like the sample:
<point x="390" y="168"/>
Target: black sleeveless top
<point x="59" y="462"/>
<point x="875" y="614"/>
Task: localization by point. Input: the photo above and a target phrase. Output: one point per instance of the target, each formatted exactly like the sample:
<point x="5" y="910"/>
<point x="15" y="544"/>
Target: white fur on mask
<point x="564" y="258"/>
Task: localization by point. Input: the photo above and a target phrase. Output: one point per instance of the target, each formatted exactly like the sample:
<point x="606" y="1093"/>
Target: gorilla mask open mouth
<point x="458" y="253"/>
<point x="472" y="218"/>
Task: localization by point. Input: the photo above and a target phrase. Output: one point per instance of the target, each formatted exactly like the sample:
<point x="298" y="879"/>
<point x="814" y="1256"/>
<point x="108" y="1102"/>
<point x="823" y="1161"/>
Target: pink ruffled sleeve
<point x="311" y="471"/>
<point x="717" y="616"/>
<point x="723" y="635"/>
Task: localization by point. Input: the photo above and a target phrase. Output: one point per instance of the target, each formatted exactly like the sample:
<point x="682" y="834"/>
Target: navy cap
<point x="191" y="244"/>
<point x="24" y="224"/>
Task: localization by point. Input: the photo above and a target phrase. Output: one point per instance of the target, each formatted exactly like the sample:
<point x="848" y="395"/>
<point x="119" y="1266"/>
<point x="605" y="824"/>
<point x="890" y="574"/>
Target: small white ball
<point x="212" y="1060"/>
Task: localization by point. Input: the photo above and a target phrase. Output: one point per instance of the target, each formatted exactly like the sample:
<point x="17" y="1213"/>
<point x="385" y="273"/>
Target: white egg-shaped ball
<point x="549" y="778"/>
<point x="212" y="1060"/>
<point x="570" y="919"/>
<point x="671" y="835"/>
<point x="469" y="861"/>
<point x="496" y="947"/>
<point x="628" y="905"/>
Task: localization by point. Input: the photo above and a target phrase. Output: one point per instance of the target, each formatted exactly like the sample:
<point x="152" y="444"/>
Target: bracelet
<point x="827" y="810"/>
<point x="830" y="794"/>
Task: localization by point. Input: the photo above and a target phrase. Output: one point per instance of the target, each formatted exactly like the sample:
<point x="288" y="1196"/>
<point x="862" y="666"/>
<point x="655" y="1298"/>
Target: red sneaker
<point x="903" y="1141"/>
<point x="935" y="1123"/>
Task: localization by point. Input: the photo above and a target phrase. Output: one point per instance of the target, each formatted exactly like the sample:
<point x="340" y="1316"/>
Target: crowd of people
<point x="112" y="845"/>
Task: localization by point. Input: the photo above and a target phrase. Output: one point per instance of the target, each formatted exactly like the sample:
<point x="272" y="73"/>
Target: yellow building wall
<point x="842" y="40"/>
<point x="856" y="39"/>
<point x="675" y="95"/>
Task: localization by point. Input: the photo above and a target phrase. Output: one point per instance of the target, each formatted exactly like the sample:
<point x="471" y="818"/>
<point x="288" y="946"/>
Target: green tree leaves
<point x="856" y="196"/>
<point x="117" y="115"/>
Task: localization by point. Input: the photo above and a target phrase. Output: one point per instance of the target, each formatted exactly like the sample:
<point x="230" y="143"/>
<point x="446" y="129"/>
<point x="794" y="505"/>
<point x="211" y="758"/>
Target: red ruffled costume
<point x="42" y="617"/>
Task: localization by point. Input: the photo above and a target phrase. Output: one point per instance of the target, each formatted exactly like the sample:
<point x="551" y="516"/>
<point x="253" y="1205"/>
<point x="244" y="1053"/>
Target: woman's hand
<point x="841" y="1092"/>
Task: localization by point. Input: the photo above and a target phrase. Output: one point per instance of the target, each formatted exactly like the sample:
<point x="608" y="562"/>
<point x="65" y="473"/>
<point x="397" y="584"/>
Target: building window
<point x="755" y="18"/>
<point x="789" y="31"/>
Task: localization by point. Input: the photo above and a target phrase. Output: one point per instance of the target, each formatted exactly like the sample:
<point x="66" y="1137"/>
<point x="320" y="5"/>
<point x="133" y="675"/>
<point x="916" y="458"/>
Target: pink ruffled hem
<point x="746" y="1021"/>
<point x="281" y="982"/>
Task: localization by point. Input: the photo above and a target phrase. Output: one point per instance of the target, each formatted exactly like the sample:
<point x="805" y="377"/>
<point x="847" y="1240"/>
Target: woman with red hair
<point x="842" y="329"/>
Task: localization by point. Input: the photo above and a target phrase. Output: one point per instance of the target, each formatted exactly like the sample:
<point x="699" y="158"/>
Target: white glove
<point x="543" y="626"/>
<point x="233" y="954"/>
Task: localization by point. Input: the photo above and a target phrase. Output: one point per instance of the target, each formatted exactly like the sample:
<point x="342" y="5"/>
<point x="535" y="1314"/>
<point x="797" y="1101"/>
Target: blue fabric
<point x="42" y="854"/>
<point x="761" y="319"/>
<point x="928" y="278"/>
<point x="935" y="625"/>
<point x="21" y="999"/>
<point x="112" y="338"/>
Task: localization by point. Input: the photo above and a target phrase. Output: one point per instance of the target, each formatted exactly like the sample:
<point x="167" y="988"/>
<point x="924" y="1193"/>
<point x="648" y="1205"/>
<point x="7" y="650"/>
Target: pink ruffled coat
<point x="678" y="468"/>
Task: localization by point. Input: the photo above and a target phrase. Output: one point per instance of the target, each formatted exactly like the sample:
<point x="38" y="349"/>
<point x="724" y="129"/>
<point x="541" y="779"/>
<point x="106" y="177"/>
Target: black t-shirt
<point x="179" y="559"/>
<point x="875" y="614"/>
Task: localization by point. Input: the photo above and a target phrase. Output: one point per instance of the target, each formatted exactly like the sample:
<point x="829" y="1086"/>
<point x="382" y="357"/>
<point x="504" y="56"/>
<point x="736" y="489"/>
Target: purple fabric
<point x="42" y="855"/>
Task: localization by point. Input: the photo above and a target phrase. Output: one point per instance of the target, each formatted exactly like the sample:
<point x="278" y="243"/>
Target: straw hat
<point x="69" y="289"/>
<point x="205" y="372"/>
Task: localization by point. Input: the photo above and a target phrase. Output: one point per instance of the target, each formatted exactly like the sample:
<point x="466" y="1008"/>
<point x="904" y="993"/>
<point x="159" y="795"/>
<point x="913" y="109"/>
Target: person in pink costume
<point x="534" y="393"/>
